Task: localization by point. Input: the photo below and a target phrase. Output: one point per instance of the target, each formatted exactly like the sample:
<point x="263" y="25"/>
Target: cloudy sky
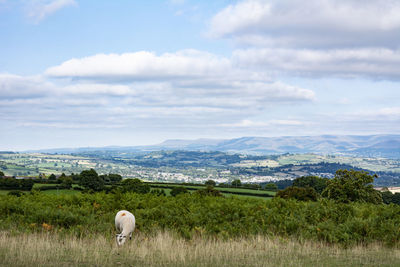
<point x="97" y="73"/>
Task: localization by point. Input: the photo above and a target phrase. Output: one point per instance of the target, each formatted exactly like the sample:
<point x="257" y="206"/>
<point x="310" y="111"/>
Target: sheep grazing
<point x="125" y="224"/>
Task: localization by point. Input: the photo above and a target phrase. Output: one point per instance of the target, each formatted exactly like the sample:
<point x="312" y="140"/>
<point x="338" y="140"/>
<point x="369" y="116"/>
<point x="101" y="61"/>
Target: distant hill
<point x="358" y="145"/>
<point x="371" y="145"/>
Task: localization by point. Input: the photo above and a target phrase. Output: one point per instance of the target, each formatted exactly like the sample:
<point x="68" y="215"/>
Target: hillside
<point x="387" y="146"/>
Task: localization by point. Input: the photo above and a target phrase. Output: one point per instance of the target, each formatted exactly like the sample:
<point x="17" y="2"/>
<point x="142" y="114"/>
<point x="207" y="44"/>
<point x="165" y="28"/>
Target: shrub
<point x="299" y="193"/>
<point x="135" y="186"/>
<point x="318" y="183"/>
<point x="158" y="192"/>
<point x="178" y="190"/>
<point x="16" y="193"/>
<point x="210" y="182"/>
<point x="209" y="191"/>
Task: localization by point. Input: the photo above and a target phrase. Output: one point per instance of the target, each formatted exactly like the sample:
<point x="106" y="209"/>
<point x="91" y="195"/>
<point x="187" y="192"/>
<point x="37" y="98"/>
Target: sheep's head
<point x="121" y="239"/>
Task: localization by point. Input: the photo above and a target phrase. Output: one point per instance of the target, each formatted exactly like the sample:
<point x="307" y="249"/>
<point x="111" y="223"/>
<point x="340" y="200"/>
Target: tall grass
<point x="168" y="249"/>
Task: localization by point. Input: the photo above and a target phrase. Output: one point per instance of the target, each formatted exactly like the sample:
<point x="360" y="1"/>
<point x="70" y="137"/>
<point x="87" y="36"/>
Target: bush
<point x="209" y="191"/>
<point x="299" y="193"/>
<point x="178" y="190"/>
<point x="318" y="183"/>
<point x="158" y="192"/>
<point x="191" y="214"/>
<point x="16" y="184"/>
<point x="135" y="186"/>
<point x="210" y="182"/>
<point x="16" y="193"/>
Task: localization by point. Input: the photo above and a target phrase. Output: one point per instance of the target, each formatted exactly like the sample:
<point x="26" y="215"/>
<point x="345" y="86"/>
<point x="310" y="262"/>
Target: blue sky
<point x="96" y="73"/>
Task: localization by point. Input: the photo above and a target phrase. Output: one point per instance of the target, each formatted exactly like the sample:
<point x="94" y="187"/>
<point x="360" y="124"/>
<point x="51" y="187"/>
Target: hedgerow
<point x="188" y="215"/>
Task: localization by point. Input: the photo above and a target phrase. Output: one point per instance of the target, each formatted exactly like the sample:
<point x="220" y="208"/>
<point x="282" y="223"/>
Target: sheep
<point x="125" y="224"/>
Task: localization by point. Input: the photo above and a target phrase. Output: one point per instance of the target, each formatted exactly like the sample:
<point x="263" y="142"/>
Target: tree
<point x="65" y="181"/>
<point x="89" y="179"/>
<point x="271" y="187"/>
<point x="236" y="183"/>
<point x="209" y="191"/>
<point x="1" y="174"/>
<point x="114" y="178"/>
<point x="299" y="193"/>
<point x="178" y="190"/>
<point x="210" y="182"/>
<point x="387" y="197"/>
<point x="351" y="185"/>
<point x="135" y="186"/>
<point x="318" y="183"/>
<point x="52" y="177"/>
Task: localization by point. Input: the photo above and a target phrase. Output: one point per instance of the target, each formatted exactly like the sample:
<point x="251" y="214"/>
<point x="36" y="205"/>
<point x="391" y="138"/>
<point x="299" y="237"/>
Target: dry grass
<point x="166" y="249"/>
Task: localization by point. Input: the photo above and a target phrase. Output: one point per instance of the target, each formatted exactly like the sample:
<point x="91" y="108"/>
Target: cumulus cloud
<point x="143" y="65"/>
<point x="312" y="23"/>
<point x="188" y="77"/>
<point x="315" y="38"/>
<point x="182" y="88"/>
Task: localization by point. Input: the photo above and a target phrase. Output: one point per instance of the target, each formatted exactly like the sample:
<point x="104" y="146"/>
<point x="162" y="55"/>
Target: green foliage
<point x="210" y="182"/>
<point x="111" y="178"/>
<point x="350" y="186"/>
<point x="65" y="181"/>
<point x="158" y="192"/>
<point x="271" y="187"/>
<point x="178" y="190"/>
<point x="52" y="177"/>
<point x="1" y="174"/>
<point x="191" y="214"/>
<point x="90" y="180"/>
<point x="236" y="183"/>
<point x="209" y="191"/>
<point x="388" y="197"/>
<point x="135" y="186"/>
<point x="299" y="193"/>
<point x="17" y="184"/>
<point x="16" y="193"/>
<point x="318" y="183"/>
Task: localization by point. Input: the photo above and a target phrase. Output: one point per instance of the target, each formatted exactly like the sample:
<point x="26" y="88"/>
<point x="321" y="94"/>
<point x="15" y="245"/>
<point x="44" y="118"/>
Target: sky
<point x="124" y="73"/>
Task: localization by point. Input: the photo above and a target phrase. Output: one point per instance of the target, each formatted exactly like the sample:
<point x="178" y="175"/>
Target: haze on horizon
<point x="99" y="73"/>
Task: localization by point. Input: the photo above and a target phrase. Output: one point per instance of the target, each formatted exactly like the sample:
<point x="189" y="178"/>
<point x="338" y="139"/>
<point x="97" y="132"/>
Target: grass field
<point x="166" y="249"/>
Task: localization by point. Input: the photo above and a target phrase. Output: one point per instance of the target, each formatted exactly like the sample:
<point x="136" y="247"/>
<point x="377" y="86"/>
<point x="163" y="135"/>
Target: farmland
<point x="197" y="167"/>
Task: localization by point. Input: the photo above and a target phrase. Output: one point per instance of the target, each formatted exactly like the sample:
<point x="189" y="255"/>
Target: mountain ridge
<point x="384" y="145"/>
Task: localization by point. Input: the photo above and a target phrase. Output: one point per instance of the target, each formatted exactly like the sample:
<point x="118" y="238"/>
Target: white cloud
<point x="143" y="65"/>
<point x="340" y="38"/>
<point x="312" y="23"/>
<point x="369" y="62"/>
<point x="262" y="124"/>
<point x="40" y="9"/>
<point x="15" y="86"/>
<point x="186" y="78"/>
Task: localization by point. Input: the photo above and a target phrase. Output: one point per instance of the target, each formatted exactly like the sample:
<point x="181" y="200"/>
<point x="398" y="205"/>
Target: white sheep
<point x="125" y="224"/>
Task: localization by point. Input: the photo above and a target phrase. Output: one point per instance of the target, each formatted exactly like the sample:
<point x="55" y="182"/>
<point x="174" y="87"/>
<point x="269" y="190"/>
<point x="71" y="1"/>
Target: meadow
<point x="164" y="248"/>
